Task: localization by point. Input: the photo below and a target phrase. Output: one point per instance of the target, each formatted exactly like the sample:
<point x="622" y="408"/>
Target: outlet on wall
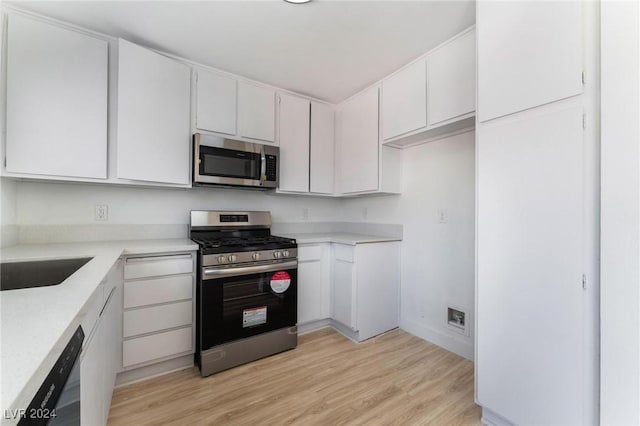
<point x="305" y="213"/>
<point x="101" y="212"/>
<point x="365" y="212"/>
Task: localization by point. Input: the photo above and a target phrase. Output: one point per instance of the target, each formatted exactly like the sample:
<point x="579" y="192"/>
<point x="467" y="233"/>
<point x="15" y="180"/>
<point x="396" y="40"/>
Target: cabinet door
<point x="294" y="143"/>
<point x="451" y="80"/>
<point x="309" y="291"/>
<point x="378" y="288"/>
<point x="322" y="145"/>
<point x="343" y="286"/>
<point x="153" y="116"/>
<point x="530" y="300"/>
<point x="256" y="112"/>
<point x="113" y="347"/>
<point x="404" y="101"/>
<point x="92" y="378"/>
<point x="56" y="101"/>
<point x="358" y="143"/>
<point x="216" y="103"/>
<point x="529" y="54"/>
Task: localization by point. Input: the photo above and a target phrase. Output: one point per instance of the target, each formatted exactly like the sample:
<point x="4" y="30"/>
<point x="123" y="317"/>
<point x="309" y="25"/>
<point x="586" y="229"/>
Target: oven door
<point x="241" y="302"/>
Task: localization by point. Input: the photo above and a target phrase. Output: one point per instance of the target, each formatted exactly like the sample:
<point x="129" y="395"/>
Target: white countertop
<point x="339" y="237"/>
<point x="36" y="323"/>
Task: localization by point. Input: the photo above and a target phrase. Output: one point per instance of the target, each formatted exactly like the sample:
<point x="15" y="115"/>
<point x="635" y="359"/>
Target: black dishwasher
<point x="57" y="402"/>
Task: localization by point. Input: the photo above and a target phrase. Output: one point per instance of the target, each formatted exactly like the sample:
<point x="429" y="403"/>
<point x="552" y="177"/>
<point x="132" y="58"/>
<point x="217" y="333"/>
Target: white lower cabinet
<point x="158" y="319"/>
<point x="101" y="356"/>
<point x="313" y="282"/>
<point x="366" y="287"/>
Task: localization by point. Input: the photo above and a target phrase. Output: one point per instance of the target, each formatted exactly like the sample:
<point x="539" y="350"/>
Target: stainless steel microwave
<point x="227" y="162"/>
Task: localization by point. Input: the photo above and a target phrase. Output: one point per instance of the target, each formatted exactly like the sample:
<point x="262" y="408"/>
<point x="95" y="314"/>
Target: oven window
<point x="237" y="307"/>
<point x="229" y="163"/>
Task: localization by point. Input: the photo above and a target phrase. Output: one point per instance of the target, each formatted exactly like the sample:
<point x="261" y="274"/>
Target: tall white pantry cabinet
<point x="537" y="202"/>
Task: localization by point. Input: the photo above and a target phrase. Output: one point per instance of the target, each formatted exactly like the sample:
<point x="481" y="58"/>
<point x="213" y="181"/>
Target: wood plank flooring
<point x="394" y="379"/>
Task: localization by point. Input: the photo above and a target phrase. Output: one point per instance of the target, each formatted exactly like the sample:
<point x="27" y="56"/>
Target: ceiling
<point x="325" y="49"/>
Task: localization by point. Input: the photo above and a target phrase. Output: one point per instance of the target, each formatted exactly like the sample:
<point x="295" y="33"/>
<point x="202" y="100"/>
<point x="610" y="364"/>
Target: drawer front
<point x="158" y="290"/>
<point x="157" y="318"/>
<point x="141" y="267"/>
<point x="343" y="252"/>
<point x="156" y="346"/>
<point x="312" y="252"/>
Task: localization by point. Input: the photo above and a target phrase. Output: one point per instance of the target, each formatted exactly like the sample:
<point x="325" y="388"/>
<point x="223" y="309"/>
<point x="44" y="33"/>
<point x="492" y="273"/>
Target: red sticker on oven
<point x="280" y="281"/>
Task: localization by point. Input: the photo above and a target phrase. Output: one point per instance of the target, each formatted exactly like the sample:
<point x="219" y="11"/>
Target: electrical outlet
<point x="443" y="217"/>
<point x="305" y="213"/>
<point x="365" y="212"/>
<point x="101" y="212"/>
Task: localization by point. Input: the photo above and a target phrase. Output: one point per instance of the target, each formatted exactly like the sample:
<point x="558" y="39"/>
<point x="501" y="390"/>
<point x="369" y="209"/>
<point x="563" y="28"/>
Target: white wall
<point x="620" y="214"/>
<point x="8" y="194"/>
<point x="63" y="204"/>
<point x="437" y="259"/>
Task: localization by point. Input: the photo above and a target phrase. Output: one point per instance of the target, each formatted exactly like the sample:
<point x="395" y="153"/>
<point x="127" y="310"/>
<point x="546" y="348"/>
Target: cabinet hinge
<point x="584" y="282"/>
<point x="5" y="161"/>
<point x="583" y="79"/>
<point x="584" y="121"/>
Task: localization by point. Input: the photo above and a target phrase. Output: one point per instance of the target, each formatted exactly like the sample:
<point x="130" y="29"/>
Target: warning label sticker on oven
<point x="280" y="281"/>
<point x="254" y="316"/>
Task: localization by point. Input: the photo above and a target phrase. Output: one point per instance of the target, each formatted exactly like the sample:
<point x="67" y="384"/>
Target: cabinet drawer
<point x="343" y="253"/>
<point x="306" y="253"/>
<point x="142" y="267"/>
<point x="157" y="318"/>
<point x="157" y="290"/>
<point x="156" y="346"/>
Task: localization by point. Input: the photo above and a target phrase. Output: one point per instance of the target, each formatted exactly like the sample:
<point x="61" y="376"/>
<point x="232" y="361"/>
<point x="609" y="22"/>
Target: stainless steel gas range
<point x="246" y="291"/>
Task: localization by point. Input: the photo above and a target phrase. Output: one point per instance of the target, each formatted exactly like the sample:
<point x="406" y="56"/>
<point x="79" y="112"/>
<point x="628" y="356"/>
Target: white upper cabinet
<point x="56" y="101"/>
<point x="358" y="148"/>
<point x="153" y="116"/>
<point x="294" y="143"/>
<point x="451" y="80"/>
<point x="322" y="149"/>
<point x="216" y="103"/>
<point x="404" y="101"/>
<point x="529" y="54"/>
<point x="256" y="112"/>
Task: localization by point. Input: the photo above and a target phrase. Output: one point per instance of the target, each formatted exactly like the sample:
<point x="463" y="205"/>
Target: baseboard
<point x="154" y="370"/>
<point x="450" y="343"/>
<point x="310" y="327"/>
<point x="345" y="331"/>
<point x="490" y="418"/>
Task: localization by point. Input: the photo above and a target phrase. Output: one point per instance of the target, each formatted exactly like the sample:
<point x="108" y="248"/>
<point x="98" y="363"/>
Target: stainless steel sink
<point x="39" y="273"/>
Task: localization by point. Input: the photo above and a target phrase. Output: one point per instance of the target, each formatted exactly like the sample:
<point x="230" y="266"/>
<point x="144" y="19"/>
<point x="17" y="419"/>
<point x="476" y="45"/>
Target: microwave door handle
<point x="212" y="273"/>
<point x="263" y="165"/>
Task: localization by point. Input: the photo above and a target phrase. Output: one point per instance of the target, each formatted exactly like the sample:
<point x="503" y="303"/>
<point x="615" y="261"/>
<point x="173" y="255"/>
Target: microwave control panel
<point x="271" y="169"/>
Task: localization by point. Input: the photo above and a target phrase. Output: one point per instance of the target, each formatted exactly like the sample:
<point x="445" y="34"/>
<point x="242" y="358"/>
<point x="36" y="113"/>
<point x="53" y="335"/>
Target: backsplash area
<point x="61" y="212"/>
<point x="42" y="234"/>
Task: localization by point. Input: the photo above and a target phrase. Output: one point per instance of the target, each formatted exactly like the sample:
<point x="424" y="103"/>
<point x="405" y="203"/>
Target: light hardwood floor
<point x="395" y="378"/>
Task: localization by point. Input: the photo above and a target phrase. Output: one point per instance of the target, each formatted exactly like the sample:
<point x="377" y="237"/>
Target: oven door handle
<point x="212" y="273"/>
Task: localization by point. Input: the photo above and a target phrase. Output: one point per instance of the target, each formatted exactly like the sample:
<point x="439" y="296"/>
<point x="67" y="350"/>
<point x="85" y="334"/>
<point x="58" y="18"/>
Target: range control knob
<point x="277" y="254"/>
<point x="221" y="259"/>
<point x="255" y="256"/>
<point x="232" y="258"/>
<point x="285" y="253"/>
